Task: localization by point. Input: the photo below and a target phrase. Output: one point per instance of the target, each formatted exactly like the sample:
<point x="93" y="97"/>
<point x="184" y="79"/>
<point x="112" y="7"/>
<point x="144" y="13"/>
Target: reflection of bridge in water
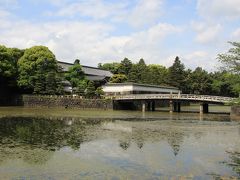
<point x="148" y="101"/>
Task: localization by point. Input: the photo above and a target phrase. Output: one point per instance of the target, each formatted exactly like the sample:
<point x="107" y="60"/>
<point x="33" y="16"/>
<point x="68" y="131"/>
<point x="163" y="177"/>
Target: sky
<point x="101" y="31"/>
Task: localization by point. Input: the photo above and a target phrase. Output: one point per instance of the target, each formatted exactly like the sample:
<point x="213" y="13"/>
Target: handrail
<point x="173" y="96"/>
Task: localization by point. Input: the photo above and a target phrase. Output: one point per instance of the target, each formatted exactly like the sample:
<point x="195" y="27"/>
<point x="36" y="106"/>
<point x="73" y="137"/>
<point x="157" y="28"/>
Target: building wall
<point x="136" y="89"/>
<point x="117" y="89"/>
<point x="155" y="89"/>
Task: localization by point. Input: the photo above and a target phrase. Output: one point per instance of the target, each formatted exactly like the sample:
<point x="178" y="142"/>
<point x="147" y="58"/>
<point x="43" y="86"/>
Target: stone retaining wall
<point x="235" y="111"/>
<point x="64" y="101"/>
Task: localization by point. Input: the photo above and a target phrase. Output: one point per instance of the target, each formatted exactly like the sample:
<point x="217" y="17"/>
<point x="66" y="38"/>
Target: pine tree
<point x="90" y="90"/>
<point x="176" y="76"/>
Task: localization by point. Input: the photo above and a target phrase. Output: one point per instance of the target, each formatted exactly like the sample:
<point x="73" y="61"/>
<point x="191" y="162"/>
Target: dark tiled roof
<point x="92" y="71"/>
<point x="96" y="78"/>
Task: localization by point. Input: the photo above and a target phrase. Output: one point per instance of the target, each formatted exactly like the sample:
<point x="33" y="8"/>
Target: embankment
<point x="61" y="101"/>
<point x="235" y="111"/>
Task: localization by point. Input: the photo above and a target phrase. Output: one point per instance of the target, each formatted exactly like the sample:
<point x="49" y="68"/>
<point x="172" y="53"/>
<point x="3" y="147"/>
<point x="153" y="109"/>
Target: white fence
<point x="191" y="97"/>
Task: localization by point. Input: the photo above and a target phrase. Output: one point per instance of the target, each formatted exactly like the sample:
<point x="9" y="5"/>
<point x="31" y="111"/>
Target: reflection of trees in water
<point x="175" y="139"/>
<point x="124" y="144"/>
<point x="27" y="154"/>
<point x="234" y="162"/>
<point x="140" y="135"/>
<point x="35" y="139"/>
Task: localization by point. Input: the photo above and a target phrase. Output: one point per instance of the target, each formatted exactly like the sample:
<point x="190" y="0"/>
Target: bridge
<point x="148" y="100"/>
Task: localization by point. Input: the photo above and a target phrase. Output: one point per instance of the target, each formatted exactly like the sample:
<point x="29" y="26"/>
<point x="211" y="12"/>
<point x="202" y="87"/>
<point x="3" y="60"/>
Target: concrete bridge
<point x="148" y="100"/>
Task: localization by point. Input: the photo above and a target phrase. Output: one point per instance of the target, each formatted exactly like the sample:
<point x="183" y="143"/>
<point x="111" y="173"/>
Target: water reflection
<point x="35" y="139"/>
<point x="234" y="161"/>
<point x="156" y="148"/>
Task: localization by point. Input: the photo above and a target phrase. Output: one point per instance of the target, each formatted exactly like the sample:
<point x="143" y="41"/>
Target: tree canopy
<point x="8" y="65"/>
<point x="231" y="59"/>
<point x="75" y="74"/>
<point x="35" y="70"/>
<point x="38" y="71"/>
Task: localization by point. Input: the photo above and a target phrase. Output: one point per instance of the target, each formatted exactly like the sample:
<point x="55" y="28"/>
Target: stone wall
<point x="235" y="111"/>
<point x="64" y="101"/>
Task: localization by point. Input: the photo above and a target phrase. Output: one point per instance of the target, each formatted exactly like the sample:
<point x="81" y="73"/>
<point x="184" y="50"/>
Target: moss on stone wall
<point x="65" y="101"/>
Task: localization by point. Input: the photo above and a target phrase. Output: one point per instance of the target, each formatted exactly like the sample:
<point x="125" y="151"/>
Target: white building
<point x="134" y="88"/>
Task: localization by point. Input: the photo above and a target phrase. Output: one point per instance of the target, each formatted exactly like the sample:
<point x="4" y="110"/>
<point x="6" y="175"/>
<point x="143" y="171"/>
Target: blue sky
<point x="103" y="31"/>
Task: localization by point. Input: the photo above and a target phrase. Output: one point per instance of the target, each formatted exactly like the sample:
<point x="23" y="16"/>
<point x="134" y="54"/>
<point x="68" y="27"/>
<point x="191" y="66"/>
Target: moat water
<point x="83" y="144"/>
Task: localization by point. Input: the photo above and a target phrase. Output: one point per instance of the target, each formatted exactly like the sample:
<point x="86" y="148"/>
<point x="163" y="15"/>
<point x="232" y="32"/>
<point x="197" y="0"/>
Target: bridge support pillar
<point x="149" y="106"/>
<point x="170" y="106"/>
<point x="143" y="106"/>
<point x="153" y="105"/>
<point x="204" y="108"/>
<point x="177" y="107"/>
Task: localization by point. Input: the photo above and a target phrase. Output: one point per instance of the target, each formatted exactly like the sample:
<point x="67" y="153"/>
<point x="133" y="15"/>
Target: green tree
<point x="221" y="84"/>
<point x="8" y="66"/>
<point x="118" y="78"/>
<point x="157" y="74"/>
<point x="200" y="81"/>
<point x="90" y="90"/>
<point x="99" y="92"/>
<point x="51" y="83"/>
<point x="39" y="83"/>
<point x="125" y="66"/>
<point x="177" y="75"/>
<point x="81" y="88"/>
<point x="75" y="74"/>
<point x="113" y="67"/>
<point x="231" y="62"/>
<point x="231" y="59"/>
<point x="138" y="72"/>
<point x="34" y="66"/>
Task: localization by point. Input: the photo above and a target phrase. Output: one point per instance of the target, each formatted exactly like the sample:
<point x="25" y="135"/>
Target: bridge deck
<point x="189" y="97"/>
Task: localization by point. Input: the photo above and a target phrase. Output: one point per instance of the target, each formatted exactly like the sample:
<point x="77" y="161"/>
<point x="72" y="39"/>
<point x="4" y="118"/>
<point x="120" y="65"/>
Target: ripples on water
<point x="123" y="147"/>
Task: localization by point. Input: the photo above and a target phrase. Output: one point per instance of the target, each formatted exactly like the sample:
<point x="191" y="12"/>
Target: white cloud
<point x="4" y="13"/>
<point x="137" y="14"/>
<point x="93" y="34"/>
<point x="236" y="34"/>
<point x="96" y="9"/>
<point x="206" y="33"/>
<point x="216" y="9"/>
<point x="200" y="58"/>
<point x="196" y="54"/>
<point x="8" y="3"/>
<point x="91" y="42"/>
<point x="145" y="12"/>
<point x="193" y="59"/>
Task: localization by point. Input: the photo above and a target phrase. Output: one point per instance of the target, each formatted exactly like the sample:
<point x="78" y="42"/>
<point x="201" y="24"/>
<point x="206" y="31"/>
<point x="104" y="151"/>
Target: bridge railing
<point x="173" y="96"/>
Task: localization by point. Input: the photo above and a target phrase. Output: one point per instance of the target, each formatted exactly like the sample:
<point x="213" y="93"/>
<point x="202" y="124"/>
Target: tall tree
<point x="138" y="72"/>
<point x="231" y="62"/>
<point x="81" y="88"/>
<point x="231" y="59"/>
<point x="125" y="66"/>
<point x="34" y="67"/>
<point x="113" y="67"/>
<point x="8" y="66"/>
<point x="222" y="84"/>
<point x="118" y="78"/>
<point x="200" y="81"/>
<point x="176" y="76"/>
<point x="157" y="74"/>
<point x="90" y="90"/>
<point x="75" y="74"/>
